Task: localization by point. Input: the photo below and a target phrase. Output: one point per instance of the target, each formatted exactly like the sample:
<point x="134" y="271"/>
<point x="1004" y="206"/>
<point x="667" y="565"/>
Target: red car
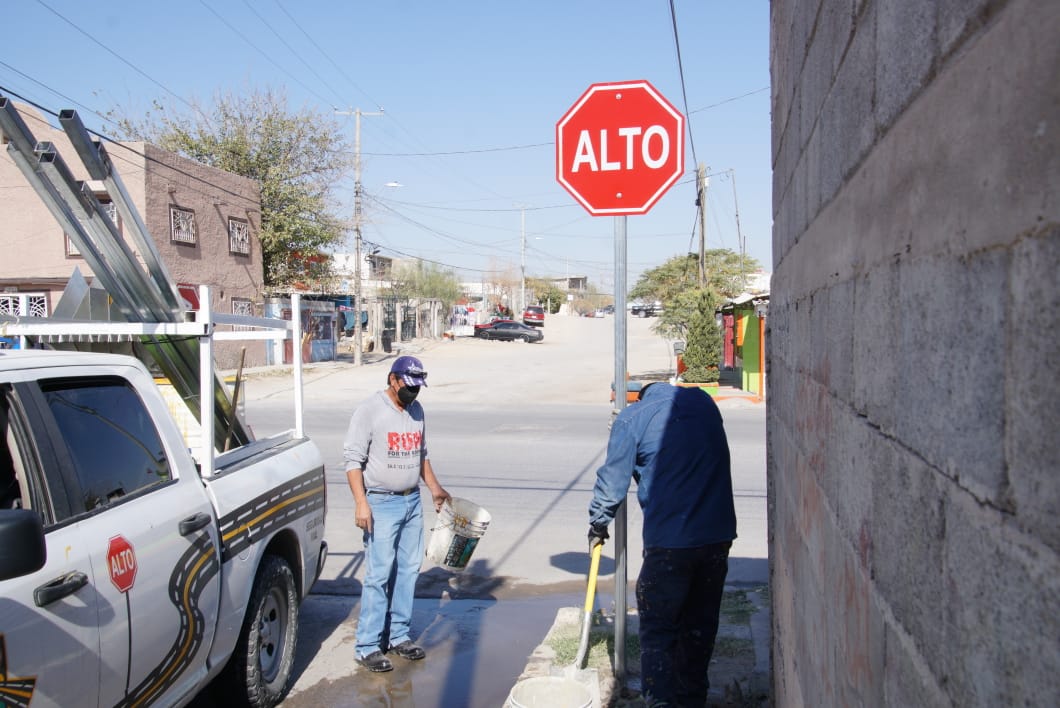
<point x="534" y="316"/>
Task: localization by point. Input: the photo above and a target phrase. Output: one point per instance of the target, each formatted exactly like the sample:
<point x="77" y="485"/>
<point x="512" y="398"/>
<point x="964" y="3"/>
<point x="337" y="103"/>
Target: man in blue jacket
<point x="672" y="442"/>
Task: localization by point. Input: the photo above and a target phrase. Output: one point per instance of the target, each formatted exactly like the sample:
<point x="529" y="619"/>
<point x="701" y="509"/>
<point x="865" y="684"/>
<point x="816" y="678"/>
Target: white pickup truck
<point x="132" y="573"/>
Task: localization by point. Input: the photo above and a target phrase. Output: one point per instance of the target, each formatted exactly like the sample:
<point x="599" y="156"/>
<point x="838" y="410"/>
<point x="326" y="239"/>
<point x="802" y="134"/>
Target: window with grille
<point x="23" y="304"/>
<point x="244" y="308"/>
<point x="71" y="247"/>
<point x="238" y="236"/>
<point x="110" y="209"/>
<point x="182" y="225"/>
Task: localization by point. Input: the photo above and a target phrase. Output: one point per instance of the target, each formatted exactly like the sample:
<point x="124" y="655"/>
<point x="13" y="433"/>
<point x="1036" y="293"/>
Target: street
<point x="518" y="429"/>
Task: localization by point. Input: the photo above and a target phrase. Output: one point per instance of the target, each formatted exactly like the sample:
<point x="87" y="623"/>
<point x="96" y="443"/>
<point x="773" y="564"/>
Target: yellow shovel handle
<point x="594" y="568"/>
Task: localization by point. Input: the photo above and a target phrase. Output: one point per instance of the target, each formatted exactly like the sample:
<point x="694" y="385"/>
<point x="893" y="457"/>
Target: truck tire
<point x="260" y="668"/>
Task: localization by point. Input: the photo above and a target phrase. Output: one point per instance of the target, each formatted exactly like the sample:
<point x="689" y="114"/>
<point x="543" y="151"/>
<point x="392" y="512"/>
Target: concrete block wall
<point x="914" y="419"/>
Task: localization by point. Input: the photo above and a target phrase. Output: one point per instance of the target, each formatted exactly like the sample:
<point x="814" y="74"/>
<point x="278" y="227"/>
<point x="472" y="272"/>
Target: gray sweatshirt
<point x="388" y="444"/>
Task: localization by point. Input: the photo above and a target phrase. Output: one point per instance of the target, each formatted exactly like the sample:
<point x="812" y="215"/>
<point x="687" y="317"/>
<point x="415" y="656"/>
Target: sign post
<point x="618" y="149"/>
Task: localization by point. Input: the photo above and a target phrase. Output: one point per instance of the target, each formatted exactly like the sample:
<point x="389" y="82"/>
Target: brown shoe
<point x="408" y="650"/>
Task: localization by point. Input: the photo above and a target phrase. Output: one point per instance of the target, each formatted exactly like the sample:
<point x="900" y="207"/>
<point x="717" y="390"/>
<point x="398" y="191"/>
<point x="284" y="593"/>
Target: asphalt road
<point x="518" y="429"/>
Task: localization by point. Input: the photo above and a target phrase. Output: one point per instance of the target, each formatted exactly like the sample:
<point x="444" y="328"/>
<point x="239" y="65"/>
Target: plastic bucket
<point x="549" y="692"/>
<point x="455" y="535"/>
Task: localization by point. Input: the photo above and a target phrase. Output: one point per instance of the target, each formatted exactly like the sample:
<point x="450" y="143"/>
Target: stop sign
<point x="121" y="563"/>
<point x="619" y="148"/>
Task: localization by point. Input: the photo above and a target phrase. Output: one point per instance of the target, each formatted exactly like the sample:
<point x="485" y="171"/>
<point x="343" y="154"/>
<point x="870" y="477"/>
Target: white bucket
<point x="456" y="533"/>
<point x="550" y="692"/>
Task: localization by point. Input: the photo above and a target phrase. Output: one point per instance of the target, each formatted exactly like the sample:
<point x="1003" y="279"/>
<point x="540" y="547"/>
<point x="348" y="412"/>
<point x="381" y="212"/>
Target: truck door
<point x="149" y="531"/>
<point x="49" y="619"/>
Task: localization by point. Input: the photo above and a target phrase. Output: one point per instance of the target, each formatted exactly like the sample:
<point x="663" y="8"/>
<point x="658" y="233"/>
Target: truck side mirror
<point x="22" y="549"/>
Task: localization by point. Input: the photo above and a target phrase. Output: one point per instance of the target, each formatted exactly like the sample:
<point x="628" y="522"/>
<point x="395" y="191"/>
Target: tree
<point x="703" y="346"/>
<point x="420" y="279"/>
<point x="546" y="293"/>
<point x="675" y="283"/>
<point x="297" y="158"/>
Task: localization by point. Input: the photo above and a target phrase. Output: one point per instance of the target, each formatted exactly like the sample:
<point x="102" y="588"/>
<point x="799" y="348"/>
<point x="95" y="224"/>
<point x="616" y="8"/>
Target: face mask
<point x="407" y="394"/>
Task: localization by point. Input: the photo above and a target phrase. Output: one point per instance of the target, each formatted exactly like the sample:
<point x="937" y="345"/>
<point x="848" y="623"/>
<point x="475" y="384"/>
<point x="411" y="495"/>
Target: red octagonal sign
<point x="619" y="148"/>
<point x="121" y="563"/>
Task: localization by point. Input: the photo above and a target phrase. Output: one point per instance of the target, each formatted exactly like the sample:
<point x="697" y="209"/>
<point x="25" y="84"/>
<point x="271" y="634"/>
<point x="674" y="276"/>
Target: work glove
<point x="597" y="535"/>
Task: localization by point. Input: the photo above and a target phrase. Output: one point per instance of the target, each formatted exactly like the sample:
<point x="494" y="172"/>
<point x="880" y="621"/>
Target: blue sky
<point x="470" y="92"/>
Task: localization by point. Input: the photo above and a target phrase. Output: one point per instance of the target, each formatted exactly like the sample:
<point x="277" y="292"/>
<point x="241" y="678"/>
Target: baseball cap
<point x="410" y="369"/>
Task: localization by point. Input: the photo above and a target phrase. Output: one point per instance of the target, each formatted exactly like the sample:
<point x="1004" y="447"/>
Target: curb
<point x="740" y="672"/>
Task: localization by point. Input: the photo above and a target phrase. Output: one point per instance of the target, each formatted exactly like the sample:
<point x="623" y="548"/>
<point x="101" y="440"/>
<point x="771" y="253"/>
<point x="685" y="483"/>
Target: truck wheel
<point x="260" y="667"/>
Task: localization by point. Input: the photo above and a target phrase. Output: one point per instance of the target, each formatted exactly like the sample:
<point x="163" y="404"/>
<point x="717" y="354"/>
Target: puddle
<point x="476" y="650"/>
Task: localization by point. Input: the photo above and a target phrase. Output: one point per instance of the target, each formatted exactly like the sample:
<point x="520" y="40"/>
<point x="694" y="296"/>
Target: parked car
<point x="510" y="332"/>
<point x="534" y="315"/>
<point x="646" y="309"/>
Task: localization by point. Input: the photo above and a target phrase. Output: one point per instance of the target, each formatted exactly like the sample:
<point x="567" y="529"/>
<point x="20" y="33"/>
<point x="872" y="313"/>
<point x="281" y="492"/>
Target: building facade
<point x="204" y="223"/>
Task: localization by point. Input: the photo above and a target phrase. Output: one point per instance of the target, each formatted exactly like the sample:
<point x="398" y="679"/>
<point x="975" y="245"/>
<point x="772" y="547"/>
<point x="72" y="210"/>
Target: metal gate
<point x="408" y="319"/>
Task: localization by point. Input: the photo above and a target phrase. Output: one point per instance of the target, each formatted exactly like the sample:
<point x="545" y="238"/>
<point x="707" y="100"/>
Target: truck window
<point x="112" y="439"/>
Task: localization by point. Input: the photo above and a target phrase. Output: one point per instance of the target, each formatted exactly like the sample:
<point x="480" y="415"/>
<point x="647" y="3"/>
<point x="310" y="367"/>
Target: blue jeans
<point x="393" y="552"/>
<point x="679" y="599"/>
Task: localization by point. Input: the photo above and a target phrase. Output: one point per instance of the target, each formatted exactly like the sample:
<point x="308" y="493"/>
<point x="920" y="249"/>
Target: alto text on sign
<point x="619" y="148"/>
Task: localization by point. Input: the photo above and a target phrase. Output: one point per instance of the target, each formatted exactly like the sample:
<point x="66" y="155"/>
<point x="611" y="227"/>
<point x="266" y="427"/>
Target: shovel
<point x="587" y="618"/>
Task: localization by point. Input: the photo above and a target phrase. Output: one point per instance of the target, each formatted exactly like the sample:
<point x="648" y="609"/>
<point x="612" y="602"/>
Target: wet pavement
<point x="476" y="651"/>
<point x="480" y="643"/>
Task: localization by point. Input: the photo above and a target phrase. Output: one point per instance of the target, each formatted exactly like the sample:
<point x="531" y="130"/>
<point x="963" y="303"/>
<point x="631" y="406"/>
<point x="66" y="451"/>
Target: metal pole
<point x="739" y="234"/>
<point x="357" y="357"/>
<point x="620" y="403"/>
<point x="701" y="181"/>
<point x="522" y="238"/>
<point x="357" y="213"/>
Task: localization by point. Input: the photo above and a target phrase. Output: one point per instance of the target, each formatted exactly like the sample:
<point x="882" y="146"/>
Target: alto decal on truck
<point x="121" y="562"/>
<point x="13" y="691"/>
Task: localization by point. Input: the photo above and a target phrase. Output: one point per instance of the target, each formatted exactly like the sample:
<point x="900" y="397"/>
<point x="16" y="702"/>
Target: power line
<point x="327" y="56"/>
<point x="681" y="73"/>
<point x="730" y="100"/>
<point x="472" y="151"/>
<point x="120" y="58"/>
<point x="260" y="51"/>
<point x="291" y="49"/>
<point x="49" y="89"/>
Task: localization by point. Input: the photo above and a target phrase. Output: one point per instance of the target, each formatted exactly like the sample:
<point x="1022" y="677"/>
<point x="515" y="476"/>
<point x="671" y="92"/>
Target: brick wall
<point x="913" y="455"/>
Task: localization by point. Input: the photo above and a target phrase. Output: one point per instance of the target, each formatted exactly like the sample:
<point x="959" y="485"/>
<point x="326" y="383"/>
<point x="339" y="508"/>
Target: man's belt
<point x="403" y="493"/>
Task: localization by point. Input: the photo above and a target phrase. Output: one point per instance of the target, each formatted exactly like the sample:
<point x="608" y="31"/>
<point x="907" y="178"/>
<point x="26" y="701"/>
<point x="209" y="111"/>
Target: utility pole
<point x="357" y="218"/>
<point x="701" y="181"/>
<point x="739" y="235"/>
<point x="522" y="238"/>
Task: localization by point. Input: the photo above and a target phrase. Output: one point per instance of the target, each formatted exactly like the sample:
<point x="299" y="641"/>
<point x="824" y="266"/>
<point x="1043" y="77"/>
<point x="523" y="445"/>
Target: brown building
<point x="204" y="222"/>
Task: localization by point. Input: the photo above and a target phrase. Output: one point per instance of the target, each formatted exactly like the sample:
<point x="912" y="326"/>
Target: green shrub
<point x="703" y="346"/>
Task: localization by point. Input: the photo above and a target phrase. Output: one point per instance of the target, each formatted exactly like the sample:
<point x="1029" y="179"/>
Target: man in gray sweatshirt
<point x="386" y="457"/>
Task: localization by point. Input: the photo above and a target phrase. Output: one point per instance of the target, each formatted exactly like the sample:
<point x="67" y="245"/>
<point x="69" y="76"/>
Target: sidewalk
<point x="739" y="669"/>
